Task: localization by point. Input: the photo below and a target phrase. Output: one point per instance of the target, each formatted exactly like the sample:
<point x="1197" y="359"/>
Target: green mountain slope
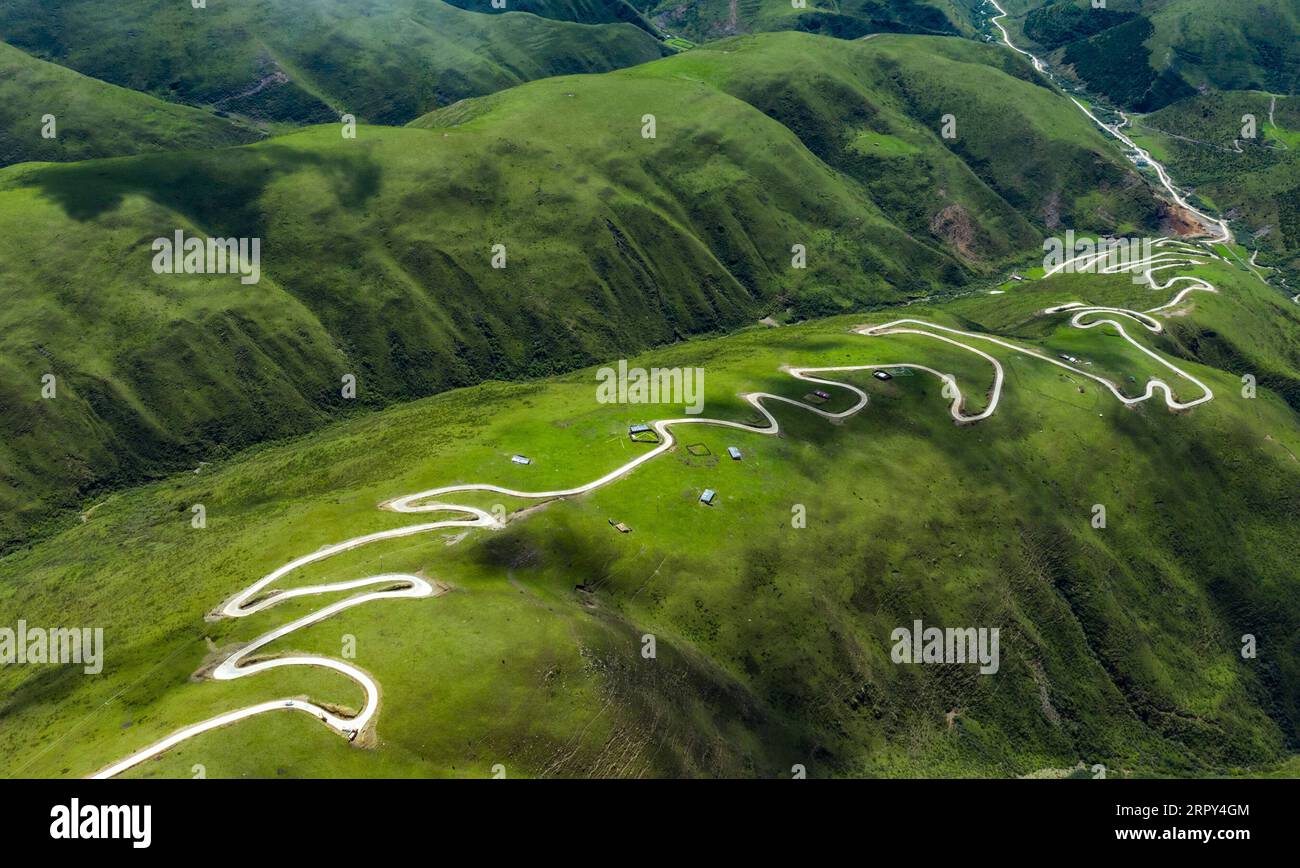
<point x="846" y="19"/>
<point x="1255" y="182"/>
<point x="1119" y="645"/>
<point x="583" y="11"/>
<point x="1145" y="54"/>
<point x="377" y="251"/>
<point x="384" y="61"/>
<point x="94" y="119"/>
<point x="1021" y="159"/>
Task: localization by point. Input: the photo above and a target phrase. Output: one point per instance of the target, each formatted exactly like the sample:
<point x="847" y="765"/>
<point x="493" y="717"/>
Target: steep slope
<point x="1119" y="645"/>
<point x="94" y="119"/>
<point x="1019" y="159"/>
<point x="377" y="251"/>
<point x="1145" y="54"/>
<point x="384" y="61"/>
<point x="583" y="11"/>
<point x="1255" y="182"/>
<point x="702" y="20"/>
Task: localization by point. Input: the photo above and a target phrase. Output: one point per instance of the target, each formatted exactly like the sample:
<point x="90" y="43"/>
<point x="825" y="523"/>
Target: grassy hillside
<point x="308" y="61"/>
<point x="1255" y="182"/>
<point x="703" y="20"/>
<point x="377" y="250"/>
<point x="1145" y="54"/>
<point x="874" y="110"/>
<point x="94" y="119"/>
<point x="1119" y="645"/>
<point x="584" y="11"/>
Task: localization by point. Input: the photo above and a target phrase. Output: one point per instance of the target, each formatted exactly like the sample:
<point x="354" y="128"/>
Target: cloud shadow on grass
<point x="220" y="191"/>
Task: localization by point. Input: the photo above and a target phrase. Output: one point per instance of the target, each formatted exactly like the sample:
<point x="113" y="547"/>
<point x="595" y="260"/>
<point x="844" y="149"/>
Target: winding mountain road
<point x="1224" y="234"/>
<point x="260" y="596"/>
